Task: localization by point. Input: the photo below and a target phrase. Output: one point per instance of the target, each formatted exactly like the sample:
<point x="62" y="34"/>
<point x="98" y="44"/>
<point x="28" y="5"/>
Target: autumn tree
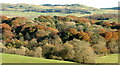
<point x="108" y="35"/>
<point x="112" y="45"/>
<point x="5" y="27"/>
<point x="38" y="52"/>
<point x="3" y="18"/>
<point x="83" y="36"/>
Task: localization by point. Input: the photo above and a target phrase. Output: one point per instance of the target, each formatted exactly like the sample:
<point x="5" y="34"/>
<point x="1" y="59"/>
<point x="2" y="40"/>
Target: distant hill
<point x="49" y="8"/>
<point x="113" y="8"/>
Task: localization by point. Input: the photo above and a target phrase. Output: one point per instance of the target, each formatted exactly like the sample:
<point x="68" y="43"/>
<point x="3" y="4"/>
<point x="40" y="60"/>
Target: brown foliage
<point x="114" y="23"/>
<point x="3" y="18"/>
<point x="29" y="52"/>
<point x="107" y="24"/>
<point x="45" y="17"/>
<point x="61" y="18"/>
<point x="21" y="51"/>
<point x="52" y="30"/>
<point x="108" y="35"/>
<point x="92" y="21"/>
<point x="102" y="30"/>
<point x="18" y="20"/>
<point x="115" y="35"/>
<point x="70" y="53"/>
<point x="46" y="28"/>
<point x="5" y="27"/>
<point x="41" y="33"/>
<point x="7" y="35"/>
<point x="83" y="36"/>
<point x="85" y="20"/>
<point x="38" y="52"/>
<point x="83" y="52"/>
<point x="112" y="45"/>
<point x="73" y="31"/>
<point x="72" y="17"/>
<point x="100" y="46"/>
<point x="9" y="50"/>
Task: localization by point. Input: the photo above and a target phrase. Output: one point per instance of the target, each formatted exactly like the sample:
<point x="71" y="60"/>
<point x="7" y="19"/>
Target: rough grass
<point x="36" y="14"/>
<point x="113" y="58"/>
<point x="105" y="12"/>
<point x="10" y="58"/>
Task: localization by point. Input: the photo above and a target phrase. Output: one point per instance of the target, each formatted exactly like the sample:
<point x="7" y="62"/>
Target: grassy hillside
<point x="10" y="58"/>
<point x="28" y="10"/>
<point x="36" y="14"/>
<point x="113" y="8"/>
<point x="113" y="58"/>
<point x="67" y="8"/>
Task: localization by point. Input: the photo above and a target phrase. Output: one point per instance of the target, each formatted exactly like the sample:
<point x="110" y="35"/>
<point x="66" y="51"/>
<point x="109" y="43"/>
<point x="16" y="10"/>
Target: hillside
<point x="113" y="8"/>
<point x="10" y="58"/>
<point x="72" y="38"/>
<point x="48" y="8"/>
<point x="70" y="32"/>
<point x="31" y="11"/>
<point x="113" y="58"/>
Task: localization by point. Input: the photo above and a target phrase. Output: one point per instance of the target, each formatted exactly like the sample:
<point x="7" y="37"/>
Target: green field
<point x="10" y="58"/>
<point x="113" y="58"/>
<point x="36" y="14"/>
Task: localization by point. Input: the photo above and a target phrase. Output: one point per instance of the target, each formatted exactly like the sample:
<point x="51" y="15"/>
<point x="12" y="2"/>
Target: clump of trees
<point x="103" y="16"/>
<point x="59" y="37"/>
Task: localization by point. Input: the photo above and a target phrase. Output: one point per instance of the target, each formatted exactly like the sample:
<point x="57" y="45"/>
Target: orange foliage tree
<point x="108" y="35"/>
<point x="5" y="26"/>
<point x="107" y="24"/>
<point x="83" y="36"/>
<point x="18" y="20"/>
<point x="73" y="31"/>
<point x="3" y="18"/>
<point x="115" y="35"/>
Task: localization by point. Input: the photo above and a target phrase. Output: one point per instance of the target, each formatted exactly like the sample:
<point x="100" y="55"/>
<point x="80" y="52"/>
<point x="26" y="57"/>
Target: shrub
<point x="58" y="52"/>
<point x="84" y="26"/>
<point x="32" y="43"/>
<point x="7" y="35"/>
<point x="66" y="36"/>
<point x="38" y="52"/>
<point x="72" y="17"/>
<point x="48" y="50"/>
<point x="13" y="44"/>
<point x="41" y="33"/>
<point x="108" y="35"/>
<point x="100" y="46"/>
<point x="65" y="26"/>
<point x="55" y="40"/>
<point x="29" y="53"/>
<point x="107" y="24"/>
<point x="80" y="27"/>
<point x="61" y="18"/>
<point x="112" y="45"/>
<point x="3" y="18"/>
<point x="9" y="50"/>
<point x="21" y="51"/>
<point x="5" y="27"/>
<point x="18" y="20"/>
<point x="73" y="31"/>
<point x="83" y="36"/>
<point x="69" y="51"/>
<point x="115" y="35"/>
<point x="84" y="53"/>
